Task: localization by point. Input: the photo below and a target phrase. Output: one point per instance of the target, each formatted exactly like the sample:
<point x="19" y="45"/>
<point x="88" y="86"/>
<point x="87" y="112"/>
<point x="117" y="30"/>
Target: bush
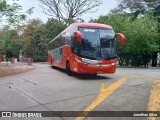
<point x="38" y="58"/>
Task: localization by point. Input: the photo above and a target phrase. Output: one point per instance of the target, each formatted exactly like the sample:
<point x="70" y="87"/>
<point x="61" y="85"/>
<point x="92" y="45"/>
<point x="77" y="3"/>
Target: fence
<point x="16" y="61"/>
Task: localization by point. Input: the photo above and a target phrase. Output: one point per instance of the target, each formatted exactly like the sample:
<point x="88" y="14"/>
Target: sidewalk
<point x="7" y="69"/>
<point x="13" y="65"/>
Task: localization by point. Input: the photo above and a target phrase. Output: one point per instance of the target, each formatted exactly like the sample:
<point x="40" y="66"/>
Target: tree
<point x="140" y="6"/>
<point x="53" y="28"/>
<point x="7" y="38"/>
<point x="11" y="16"/>
<point x="12" y="13"/>
<point x="67" y="10"/>
<point x="45" y="33"/>
<point x="141" y="37"/>
<point x="35" y="36"/>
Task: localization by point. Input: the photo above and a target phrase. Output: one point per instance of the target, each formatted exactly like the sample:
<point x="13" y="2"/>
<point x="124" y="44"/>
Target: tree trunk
<point x="154" y="60"/>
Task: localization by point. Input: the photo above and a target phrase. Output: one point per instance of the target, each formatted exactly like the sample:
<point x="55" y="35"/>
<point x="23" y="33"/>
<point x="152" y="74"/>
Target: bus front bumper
<point x="95" y="69"/>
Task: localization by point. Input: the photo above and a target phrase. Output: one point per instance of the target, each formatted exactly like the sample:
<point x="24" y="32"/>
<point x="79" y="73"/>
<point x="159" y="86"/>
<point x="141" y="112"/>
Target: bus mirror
<point x="122" y="38"/>
<point x="79" y="36"/>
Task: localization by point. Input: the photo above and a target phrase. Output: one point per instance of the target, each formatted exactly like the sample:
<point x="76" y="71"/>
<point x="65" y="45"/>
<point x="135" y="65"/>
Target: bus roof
<point x="92" y="25"/>
<point x="84" y="24"/>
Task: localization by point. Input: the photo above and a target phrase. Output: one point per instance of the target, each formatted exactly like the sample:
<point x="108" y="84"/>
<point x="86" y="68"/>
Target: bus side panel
<point x="67" y="56"/>
<point x="72" y="62"/>
<point x="55" y="57"/>
<point x="50" y="60"/>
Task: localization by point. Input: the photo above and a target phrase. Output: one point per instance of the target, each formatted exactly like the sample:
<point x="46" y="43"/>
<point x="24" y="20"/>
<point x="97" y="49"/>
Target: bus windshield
<point x="98" y="44"/>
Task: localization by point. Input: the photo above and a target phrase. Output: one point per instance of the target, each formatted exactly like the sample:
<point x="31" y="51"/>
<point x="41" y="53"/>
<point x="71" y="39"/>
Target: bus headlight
<point x="113" y="64"/>
<point x="79" y="61"/>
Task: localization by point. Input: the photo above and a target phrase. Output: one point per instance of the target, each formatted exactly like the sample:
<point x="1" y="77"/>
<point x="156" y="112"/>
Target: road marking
<point x="104" y="93"/>
<point x="154" y="99"/>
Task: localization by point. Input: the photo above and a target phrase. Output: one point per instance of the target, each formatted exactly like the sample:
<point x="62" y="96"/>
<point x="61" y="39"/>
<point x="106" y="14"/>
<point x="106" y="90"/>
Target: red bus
<point x="85" y="48"/>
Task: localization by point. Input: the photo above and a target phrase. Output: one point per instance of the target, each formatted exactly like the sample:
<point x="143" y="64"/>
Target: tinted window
<point x="90" y="46"/>
<point x="97" y="43"/>
<point x="75" y="45"/>
<point x="107" y="39"/>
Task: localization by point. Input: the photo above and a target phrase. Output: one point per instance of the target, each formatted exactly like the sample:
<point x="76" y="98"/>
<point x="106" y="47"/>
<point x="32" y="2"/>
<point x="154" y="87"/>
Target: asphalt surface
<point x="47" y="89"/>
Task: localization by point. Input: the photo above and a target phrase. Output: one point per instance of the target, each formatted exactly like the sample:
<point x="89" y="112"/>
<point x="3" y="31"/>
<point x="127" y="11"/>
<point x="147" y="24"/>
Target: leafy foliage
<point x="36" y="36"/>
<point x="141" y="37"/>
<point x="12" y="14"/>
<point x="138" y="22"/>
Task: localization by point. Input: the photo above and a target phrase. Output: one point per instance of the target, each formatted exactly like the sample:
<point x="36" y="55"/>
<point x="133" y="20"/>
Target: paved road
<point x="47" y="89"/>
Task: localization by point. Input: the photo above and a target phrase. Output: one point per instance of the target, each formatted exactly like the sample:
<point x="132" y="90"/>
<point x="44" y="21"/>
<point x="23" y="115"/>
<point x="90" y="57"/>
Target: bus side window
<point x="60" y="50"/>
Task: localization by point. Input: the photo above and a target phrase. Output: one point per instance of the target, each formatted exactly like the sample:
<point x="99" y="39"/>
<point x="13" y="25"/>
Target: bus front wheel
<point x="68" y="70"/>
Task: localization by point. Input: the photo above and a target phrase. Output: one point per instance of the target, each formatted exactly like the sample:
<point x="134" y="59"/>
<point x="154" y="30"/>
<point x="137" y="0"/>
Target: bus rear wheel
<point x="52" y="65"/>
<point x="68" y="70"/>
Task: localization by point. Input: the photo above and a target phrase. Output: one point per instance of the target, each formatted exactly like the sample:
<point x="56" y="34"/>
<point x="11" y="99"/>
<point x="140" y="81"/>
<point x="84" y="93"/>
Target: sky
<point x="103" y="9"/>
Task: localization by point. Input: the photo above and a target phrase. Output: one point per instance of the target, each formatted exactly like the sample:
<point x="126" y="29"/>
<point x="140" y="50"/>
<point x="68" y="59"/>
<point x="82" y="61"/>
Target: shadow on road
<point x="90" y="77"/>
<point x="83" y="76"/>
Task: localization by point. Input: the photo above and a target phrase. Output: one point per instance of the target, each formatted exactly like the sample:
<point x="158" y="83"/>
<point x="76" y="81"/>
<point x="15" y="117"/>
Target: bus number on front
<point x="89" y="30"/>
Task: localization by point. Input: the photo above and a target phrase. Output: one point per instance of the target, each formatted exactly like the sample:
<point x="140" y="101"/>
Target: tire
<point x="52" y="65"/>
<point x="94" y="74"/>
<point x="68" y="70"/>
